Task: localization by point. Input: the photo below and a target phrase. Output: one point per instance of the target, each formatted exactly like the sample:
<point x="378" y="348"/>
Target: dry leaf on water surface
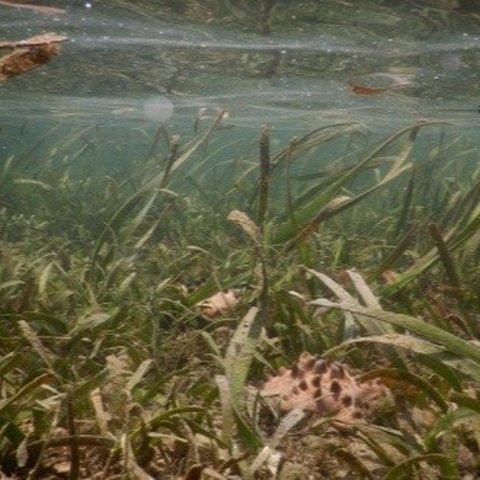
<point x="29" y="54"/>
<point x="398" y="82"/>
<point x="35" y="8"/>
<point x="43" y="38"/>
<point x="22" y="60"/>
<point x="219" y="303"/>
<point x="364" y="90"/>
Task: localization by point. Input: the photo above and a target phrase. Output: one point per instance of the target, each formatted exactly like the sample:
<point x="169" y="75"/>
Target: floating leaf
<point x="24" y="59"/>
<point x="35" y="8"/>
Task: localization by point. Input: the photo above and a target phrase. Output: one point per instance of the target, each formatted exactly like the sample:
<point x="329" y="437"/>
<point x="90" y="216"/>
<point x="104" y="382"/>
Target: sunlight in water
<point x="158" y="109"/>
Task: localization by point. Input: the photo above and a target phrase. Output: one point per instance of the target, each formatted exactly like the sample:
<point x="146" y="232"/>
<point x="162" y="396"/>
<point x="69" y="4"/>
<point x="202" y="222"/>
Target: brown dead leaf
<point x="29" y="53"/>
<point x="41" y="39"/>
<point x="35" y="8"/>
<point x="23" y="59"/>
<point x="389" y="276"/>
<point x="219" y="303"/>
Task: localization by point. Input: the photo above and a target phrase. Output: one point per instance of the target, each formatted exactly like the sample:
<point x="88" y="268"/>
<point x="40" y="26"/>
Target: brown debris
<point x="325" y="388"/>
<point x="365" y="90"/>
<point x="35" y="8"/>
<point x="41" y="39"/>
<point x="29" y="54"/>
<point x="399" y="81"/>
<point x="219" y="303"/>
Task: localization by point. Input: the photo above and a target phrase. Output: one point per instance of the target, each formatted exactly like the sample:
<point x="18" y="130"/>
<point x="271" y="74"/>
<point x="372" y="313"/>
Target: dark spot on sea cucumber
<point x="319" y="405"/>
<point x="335" y="388"/>
<point x="337" y="371"/>
<point x="309" y="363"/>
<point x="320" y="366"/>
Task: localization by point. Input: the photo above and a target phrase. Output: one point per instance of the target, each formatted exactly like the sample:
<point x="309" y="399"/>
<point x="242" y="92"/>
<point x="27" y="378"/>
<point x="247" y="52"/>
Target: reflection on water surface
<point x="288" y="62"/>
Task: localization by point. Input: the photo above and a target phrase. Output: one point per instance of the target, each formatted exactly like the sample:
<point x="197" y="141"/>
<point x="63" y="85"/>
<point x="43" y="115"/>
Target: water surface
<point x="133" y="65"/>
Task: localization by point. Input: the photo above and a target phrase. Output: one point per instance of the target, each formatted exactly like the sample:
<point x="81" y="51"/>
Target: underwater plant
<point x="109" y="369"/>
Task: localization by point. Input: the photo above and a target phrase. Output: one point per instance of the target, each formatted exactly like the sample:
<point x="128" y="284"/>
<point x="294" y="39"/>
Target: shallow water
<point x="129" y="66"/>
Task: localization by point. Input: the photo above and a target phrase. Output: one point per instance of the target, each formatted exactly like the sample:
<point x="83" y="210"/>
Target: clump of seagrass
<point x="326" y="388"/>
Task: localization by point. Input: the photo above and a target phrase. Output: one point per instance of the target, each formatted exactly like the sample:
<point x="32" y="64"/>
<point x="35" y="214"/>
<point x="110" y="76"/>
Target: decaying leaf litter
<point x="112" y="368"/>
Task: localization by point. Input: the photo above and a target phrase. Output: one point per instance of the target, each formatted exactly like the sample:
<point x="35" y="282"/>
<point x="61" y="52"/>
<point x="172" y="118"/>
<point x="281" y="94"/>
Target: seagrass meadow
<point x="239" y="240"/>
<point x="110" y="370"/>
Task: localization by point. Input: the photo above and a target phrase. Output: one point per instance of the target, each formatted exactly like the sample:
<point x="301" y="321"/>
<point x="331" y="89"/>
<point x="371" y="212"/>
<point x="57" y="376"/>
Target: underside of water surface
<point x="239" y="239"/>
